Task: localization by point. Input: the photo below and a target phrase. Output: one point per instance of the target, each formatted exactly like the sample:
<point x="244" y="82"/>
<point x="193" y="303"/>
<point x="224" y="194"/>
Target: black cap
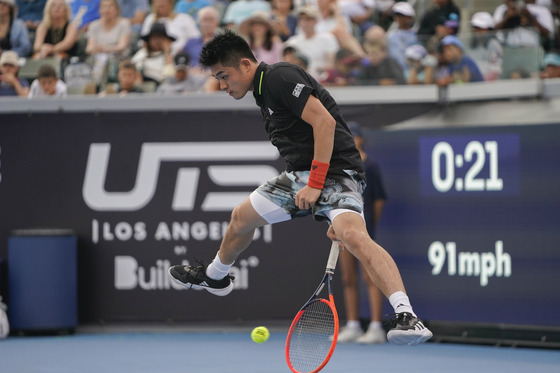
<point x="157" y="28"/>
<point x="182" y="60"/>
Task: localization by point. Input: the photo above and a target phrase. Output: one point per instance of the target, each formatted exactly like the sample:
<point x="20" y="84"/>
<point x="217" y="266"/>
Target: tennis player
<point x="324" y="176"/>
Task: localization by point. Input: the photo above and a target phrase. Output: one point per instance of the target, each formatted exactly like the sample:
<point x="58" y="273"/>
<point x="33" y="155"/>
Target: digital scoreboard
<point x="473" y="220"/>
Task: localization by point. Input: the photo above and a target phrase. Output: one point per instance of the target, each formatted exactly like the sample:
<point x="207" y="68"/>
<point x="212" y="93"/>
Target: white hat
<point x="404" y="8"/>
<point x="482" y="20"/>
<point x="10" y="58"/>
<point x="309" y="10"/>
<point x="415" y="52"/>
<point x="11" y="3"/>
<point x="258" y="16"/>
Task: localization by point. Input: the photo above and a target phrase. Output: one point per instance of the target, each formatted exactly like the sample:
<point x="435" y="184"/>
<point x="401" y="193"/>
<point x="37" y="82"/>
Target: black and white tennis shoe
<point x="195" y="277"/>
<point x="407" y="329"/>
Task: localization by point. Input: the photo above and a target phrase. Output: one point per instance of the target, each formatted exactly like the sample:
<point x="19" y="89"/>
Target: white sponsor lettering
<point x="129" y="275"/>
<point x="168" y="231"/>
<point x="483" y="265"/>
<point x="297" y="90"/>
<point x="152" y="155"/>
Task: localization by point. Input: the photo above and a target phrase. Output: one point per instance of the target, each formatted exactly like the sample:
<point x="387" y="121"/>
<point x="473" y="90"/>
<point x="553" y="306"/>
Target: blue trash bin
<point x="42" y="280"/>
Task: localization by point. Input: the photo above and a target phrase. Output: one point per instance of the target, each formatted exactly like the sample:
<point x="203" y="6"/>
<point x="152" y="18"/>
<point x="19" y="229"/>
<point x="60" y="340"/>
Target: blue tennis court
<point x="230" y="349"/>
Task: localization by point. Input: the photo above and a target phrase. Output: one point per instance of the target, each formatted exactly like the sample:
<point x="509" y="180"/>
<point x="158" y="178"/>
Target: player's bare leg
<point x="349" y="228"/>
<point x="352" y="233"/>
<point x="215" y="277"/>
<point x="238" y="236"/>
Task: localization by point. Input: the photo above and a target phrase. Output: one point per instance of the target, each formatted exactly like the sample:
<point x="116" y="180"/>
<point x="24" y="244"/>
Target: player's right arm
<point x="318" y="117"/>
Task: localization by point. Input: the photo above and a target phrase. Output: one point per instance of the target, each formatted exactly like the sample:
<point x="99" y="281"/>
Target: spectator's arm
<point x="69" y="39"/>
<point x="533" y="21"/>
<point x="21" y="90"/>
<point x="120" y="46"/>
<point x="20" y="38"/>
<point x="40" y="34"/>
<point x="138" y="17"/>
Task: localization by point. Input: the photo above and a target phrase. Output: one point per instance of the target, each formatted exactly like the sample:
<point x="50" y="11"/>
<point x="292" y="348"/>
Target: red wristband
<point x="318" y="174"/>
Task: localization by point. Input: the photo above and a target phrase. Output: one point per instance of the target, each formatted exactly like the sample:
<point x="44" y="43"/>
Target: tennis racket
<point x="313" y="334"/>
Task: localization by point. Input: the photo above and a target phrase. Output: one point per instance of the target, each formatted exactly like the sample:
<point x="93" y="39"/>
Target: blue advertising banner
<point x="472" y="215"/>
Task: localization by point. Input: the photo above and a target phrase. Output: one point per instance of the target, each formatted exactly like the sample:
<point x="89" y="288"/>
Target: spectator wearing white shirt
<point x="526" y="26"/>
<point x="319" y="48"/>
<point x="180" y="26"/>
<point x="47" y="84"/>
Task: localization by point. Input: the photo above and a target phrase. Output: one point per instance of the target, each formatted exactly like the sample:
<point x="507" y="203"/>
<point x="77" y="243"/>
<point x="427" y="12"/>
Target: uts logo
<point x="153" y="154"/>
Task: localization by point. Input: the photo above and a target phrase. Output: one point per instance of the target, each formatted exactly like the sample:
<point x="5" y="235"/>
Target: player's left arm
<point x="323" y="123"/>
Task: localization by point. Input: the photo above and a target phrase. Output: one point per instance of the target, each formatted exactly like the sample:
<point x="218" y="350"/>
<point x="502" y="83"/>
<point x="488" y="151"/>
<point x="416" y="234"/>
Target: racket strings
<point x="311" y="341"/>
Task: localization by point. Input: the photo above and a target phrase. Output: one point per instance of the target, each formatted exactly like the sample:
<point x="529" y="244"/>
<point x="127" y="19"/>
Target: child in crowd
<point x="551" y="66"/>
<point x="128" y="77"/>
<point x="292" y="55"/>
<point x="421" y="65"/>
<point x="10" y="83"/>
<point x="458" y="67"/>
<point x="345" y="69"/>
<point x="47" y="84"/>
<point x="182" y="81"/>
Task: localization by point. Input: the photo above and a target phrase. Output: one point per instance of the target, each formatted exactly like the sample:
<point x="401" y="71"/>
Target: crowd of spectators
<point x="134" y="46"/>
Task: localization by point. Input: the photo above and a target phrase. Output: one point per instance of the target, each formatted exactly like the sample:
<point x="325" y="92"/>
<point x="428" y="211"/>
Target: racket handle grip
<point x="333" y="257"/>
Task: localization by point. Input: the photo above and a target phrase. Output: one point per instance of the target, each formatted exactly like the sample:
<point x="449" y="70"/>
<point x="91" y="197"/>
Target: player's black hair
<point x="226" y="48"/>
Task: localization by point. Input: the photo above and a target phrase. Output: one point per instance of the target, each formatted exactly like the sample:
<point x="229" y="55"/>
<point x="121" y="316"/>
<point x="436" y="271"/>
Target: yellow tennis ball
<point x="260" y="334"/>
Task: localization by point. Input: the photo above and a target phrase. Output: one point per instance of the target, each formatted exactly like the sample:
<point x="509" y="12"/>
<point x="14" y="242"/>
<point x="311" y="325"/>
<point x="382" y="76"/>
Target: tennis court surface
<point x="219" y="349"/>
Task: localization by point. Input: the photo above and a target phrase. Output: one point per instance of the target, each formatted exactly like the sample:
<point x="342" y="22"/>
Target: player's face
<point x="235" y="81"/>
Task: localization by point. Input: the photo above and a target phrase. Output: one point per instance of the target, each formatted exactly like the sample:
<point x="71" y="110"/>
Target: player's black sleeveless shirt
<point x="281" y="91"/>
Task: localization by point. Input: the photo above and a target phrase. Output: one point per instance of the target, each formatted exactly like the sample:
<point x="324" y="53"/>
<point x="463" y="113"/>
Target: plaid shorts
<point x="339" y="192"/>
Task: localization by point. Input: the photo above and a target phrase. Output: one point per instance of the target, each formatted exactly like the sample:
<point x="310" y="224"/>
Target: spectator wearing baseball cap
<point x="404" y="35"/>
<point x="485" y="48"/>
<point x="182" y="81"/>
<point x="421" y="65"/>
<point x="10" y="84"/>
<point x="449" y="26"/>
<point x="551" y="64"/>
<point x="458" y="68"/>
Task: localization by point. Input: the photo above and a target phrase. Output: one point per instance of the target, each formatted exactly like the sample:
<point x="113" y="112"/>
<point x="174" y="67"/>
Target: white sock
<point x="353" y="324"/>
<point x="375" y="325"/>
<point x="217" y="270"/>
<point x="400" y="302"/>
